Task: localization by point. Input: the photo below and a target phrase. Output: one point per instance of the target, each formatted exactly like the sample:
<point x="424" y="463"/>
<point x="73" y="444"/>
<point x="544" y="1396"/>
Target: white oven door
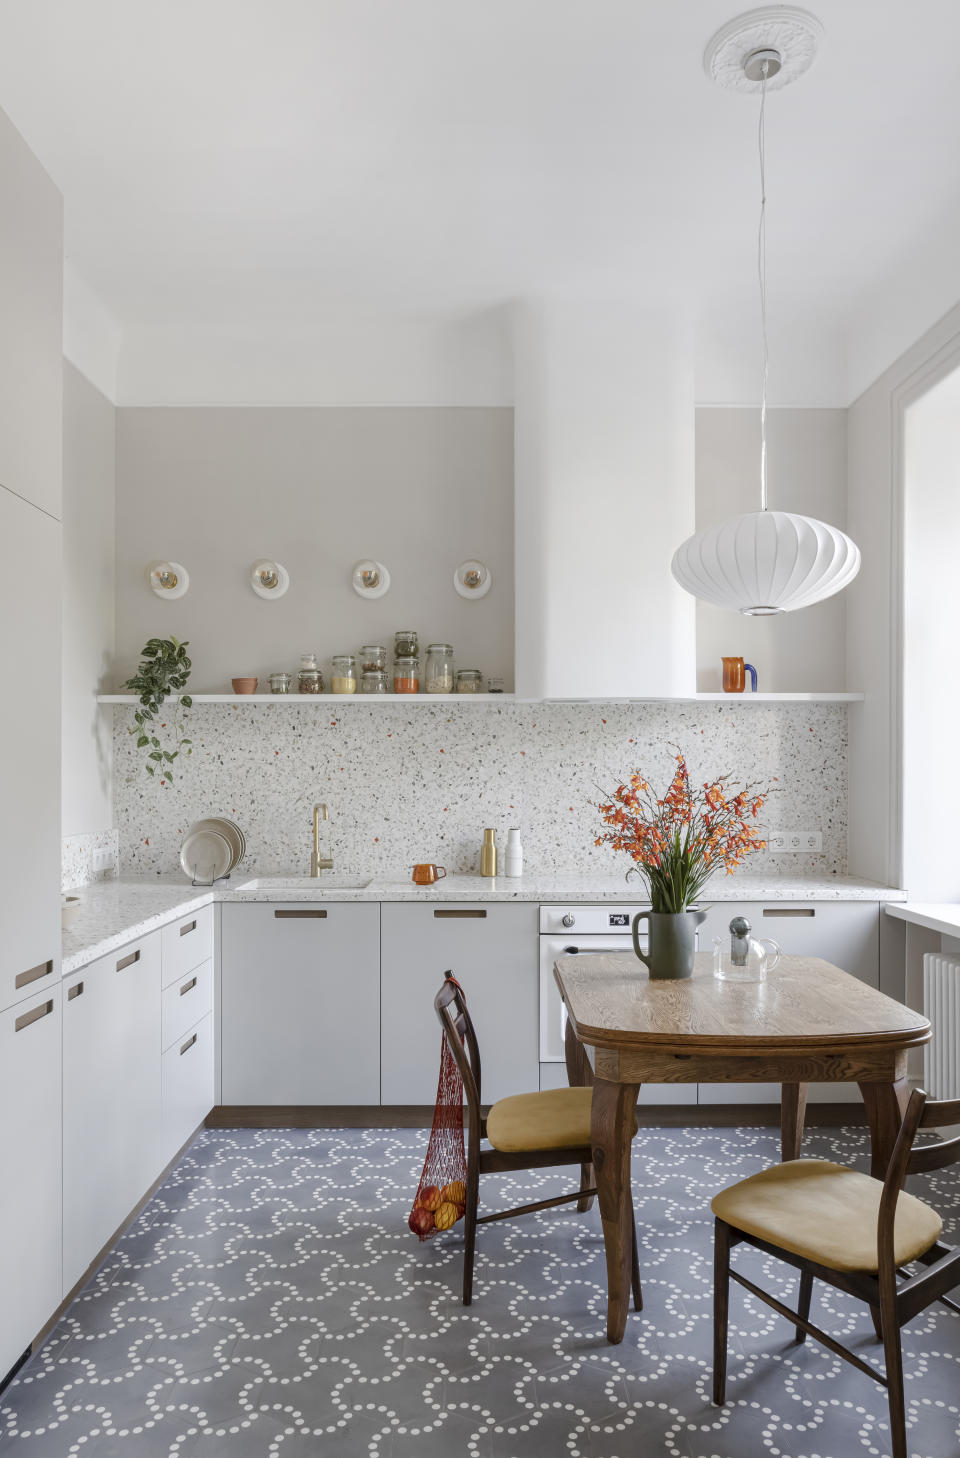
<point x="553" y="1014"/>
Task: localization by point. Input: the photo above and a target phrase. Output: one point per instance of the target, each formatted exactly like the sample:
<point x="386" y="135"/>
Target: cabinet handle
<point x="312" y="911"/>
<point x="23" y="979"/>
<point x="789" y="911"/>
<point x="188" y="986"/>
<point x="34" y="1016"/>
<point x="75" y="991"/>
<point x="128" y="960"/>
<point x="185" y="1047"/>
<point x="449" y="913"/>
<point x="188" y="926"/>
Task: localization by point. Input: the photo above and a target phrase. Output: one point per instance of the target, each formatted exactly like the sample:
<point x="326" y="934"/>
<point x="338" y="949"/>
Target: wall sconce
<point x="269" y="579"/>
<point x="472" y="579"/>
<point x="168" y="579"/>
<point x="370" y="578"/>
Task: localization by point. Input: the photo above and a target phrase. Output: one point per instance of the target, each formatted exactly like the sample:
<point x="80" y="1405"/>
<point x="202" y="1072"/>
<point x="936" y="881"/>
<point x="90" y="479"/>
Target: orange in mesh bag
<point x="442" y="1192"/>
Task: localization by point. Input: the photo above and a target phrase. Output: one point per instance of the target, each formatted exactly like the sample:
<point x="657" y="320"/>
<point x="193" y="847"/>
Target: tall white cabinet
<point x="31" y="407"/>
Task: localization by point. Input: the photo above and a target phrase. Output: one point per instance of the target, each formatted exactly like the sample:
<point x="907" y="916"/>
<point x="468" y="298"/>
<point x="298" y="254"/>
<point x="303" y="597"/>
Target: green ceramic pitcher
<point x="672" y="942"/>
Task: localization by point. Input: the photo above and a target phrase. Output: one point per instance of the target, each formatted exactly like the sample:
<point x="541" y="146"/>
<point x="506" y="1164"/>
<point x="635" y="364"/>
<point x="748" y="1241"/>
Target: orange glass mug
<point x="735" y="676"/>
<point x="426" y="873"/>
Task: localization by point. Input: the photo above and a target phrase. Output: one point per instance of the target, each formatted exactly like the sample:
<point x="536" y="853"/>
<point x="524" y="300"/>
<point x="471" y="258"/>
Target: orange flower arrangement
<point x="679" y="841"/>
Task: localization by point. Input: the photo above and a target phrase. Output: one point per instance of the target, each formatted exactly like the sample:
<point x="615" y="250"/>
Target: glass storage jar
<point x="406" y="676"/>
<point x="438" y="671"/>
<point x="280" y="683"/>
<point x="344" y="678"/>
<point x="469" y="681"/>
<point x="309" y="679"/>
<point x="372" y="656"/>
<point x="406" y="644"/>
<point x="373" y="681"/>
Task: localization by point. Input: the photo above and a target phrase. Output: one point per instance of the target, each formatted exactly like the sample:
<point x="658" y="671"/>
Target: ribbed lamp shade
<point x="766" y="562"/>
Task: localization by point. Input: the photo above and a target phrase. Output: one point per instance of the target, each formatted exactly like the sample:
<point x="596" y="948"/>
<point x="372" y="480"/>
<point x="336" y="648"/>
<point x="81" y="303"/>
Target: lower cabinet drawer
<point x="187" y="1085"/>
<point x="187" y="942"/>
<point x="185" y="1002"/>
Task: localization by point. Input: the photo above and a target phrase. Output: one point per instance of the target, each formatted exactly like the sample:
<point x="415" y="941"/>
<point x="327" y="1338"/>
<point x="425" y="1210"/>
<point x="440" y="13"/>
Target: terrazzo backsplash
<point x="419" y="783"/>
<point x="78" y="864"/>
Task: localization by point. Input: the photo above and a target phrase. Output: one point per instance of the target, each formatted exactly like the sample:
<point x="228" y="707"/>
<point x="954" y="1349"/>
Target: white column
<point x="604" y="495"/>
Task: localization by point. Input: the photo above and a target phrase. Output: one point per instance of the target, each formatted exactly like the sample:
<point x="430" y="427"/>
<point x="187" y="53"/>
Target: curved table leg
<point x="885" y="1104"/>
<point x="611" y="1133"/>
<point x="793" y="1108"/>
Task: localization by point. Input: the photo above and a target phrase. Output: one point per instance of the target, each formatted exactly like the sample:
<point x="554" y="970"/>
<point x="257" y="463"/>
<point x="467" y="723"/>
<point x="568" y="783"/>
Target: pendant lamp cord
<point x="762" y="275"/>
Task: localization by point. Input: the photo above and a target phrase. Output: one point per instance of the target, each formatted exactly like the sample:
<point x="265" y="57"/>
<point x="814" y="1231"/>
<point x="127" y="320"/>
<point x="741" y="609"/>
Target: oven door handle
<point x="592" y="951"/>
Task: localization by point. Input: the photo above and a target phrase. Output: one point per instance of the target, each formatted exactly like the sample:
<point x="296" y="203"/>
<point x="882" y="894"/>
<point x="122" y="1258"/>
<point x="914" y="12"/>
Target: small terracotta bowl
<point x="244" y="685"/>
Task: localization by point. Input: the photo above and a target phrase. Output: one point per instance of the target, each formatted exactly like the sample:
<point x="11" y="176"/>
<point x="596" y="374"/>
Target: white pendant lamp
<point x="765" y="562"/>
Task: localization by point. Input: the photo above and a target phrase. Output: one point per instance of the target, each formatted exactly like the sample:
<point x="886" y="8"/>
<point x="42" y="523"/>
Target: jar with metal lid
<point x="372" y="656"/>
<point x="309" y="679"/>
<point x="406" y="644"/>
<point x="438" y="672"/>
<point x="406" y="675"/>
<point x="469" y="681"/>
<point x="280" y="683"/>
<point x="344" y="677"/>
<point x="373" y="681"/>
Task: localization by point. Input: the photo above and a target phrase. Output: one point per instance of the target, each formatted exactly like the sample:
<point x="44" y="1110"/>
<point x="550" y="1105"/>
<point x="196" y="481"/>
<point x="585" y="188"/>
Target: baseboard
<point x="417" y="1116"/>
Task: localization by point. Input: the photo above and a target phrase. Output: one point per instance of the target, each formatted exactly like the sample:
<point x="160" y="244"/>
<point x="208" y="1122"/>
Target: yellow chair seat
<point x="557" y="1118"/>
<point x="826" y="1213"/>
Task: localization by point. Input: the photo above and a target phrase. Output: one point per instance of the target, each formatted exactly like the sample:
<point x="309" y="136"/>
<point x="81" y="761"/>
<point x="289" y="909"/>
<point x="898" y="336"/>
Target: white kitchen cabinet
<point x="184" y="1001"/>
<point x="30" y="1212"/>
<point x="30" y="764"/>
<point x="112" y="1127"/>
<point x="300" y="992"/>
<point x="846" y="933"/>
<point x="492" y="950"/>
<point x="186" y="943"/>
<point x="187" y="1085"/>
<point x="31" y="341"/>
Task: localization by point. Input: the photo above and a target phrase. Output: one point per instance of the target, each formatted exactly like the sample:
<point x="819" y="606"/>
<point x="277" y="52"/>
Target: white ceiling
<point x="261" y="169"/>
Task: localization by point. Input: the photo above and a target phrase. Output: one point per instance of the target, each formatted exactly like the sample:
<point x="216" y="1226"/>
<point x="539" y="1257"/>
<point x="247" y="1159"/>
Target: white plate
<point x="231" y="832"/>
<point x="205" y="856"/>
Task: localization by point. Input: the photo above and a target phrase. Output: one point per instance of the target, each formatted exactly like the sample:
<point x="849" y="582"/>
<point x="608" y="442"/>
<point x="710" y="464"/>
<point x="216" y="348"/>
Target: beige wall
<point x="315" y="489"/>
<point x="88" y="602"/>
<point x="807" y="465"/>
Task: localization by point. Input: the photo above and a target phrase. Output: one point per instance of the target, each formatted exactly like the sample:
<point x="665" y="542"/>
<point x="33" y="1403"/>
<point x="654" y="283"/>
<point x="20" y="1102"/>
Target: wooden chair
<point x="528" y="1131"/>
<point x="852" y="1231"/>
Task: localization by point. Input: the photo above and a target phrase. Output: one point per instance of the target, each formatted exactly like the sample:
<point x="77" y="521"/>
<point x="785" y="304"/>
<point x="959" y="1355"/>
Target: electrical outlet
<point x="794" y="841"/>
<point x="102" y="860"/>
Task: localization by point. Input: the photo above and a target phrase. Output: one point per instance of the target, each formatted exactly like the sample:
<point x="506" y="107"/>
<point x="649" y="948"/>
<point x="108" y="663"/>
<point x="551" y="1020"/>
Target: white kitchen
<point x="478" y="880"/>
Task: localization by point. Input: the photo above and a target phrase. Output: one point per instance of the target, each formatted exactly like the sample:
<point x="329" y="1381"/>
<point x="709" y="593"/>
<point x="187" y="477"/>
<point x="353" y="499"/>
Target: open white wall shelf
<point x="300" y="700"/>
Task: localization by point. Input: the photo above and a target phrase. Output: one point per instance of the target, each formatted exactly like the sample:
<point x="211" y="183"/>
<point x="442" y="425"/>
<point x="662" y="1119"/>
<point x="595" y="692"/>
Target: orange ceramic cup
<point x="735" y="676"/>
<point x="426" y="873"/>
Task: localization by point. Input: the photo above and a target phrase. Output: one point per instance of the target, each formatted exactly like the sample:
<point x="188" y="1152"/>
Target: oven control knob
<point x="569" y="919"/>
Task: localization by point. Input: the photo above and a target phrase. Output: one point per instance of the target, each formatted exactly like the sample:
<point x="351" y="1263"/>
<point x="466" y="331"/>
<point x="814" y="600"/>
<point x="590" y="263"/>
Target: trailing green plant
<point x="164" y="669"/>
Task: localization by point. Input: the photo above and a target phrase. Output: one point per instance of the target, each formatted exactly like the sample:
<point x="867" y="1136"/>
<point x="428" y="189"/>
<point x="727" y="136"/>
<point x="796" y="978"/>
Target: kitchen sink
<point x="321" y="883"/>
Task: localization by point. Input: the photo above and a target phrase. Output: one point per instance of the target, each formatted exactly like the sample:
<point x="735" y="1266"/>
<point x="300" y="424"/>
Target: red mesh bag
<point x="442" y="1192"/>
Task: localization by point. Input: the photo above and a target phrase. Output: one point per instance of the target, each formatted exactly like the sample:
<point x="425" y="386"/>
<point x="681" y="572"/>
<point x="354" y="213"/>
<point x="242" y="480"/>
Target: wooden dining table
<point x="807" y="1022"/>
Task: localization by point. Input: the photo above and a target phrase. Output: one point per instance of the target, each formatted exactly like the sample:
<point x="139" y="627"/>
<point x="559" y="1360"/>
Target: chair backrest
<point x="450" y="1005"/>
<point x="921" y="1113"/>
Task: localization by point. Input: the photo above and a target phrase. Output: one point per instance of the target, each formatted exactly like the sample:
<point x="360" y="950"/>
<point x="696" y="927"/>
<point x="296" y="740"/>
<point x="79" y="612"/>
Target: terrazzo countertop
<point x="113" y="913"/>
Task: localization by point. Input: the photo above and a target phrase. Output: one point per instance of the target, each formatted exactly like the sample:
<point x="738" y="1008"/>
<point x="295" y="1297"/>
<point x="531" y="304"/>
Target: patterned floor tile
<point x="270" y="1303"/>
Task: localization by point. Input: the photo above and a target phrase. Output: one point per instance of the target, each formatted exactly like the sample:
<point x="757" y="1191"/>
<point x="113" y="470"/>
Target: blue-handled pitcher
<point x="672" y="942"/>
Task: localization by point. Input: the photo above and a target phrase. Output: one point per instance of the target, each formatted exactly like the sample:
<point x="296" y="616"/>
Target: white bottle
<point x="513" y="856"/>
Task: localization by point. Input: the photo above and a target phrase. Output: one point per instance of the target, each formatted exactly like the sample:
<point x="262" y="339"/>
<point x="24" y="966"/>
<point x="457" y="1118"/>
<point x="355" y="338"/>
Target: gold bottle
<point x="488" y="854"/>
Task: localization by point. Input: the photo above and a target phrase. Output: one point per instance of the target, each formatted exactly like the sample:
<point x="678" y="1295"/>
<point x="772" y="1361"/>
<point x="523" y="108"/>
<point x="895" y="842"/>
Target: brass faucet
<point x="319" y="863"/>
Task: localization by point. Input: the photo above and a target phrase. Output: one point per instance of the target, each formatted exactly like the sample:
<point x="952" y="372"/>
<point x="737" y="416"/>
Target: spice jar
<point x="344" y="680"/>
<point x="373" y="681"/>
<point x="494" y="684"/>
<point x="309" y="679"/>
<point x="438" y="674"/>
<point x="372" y="657"/>
<point x="406" y="676"/>
<point x="280" y="683"/>
<point x="469" y="681"/>
<point x="406" y="644"/>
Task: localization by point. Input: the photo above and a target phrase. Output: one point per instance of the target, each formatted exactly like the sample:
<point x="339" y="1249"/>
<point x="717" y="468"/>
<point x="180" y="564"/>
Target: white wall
<point x="931" y="685"/>
<point x="315" y="489"/>
<point x="88" y="602"/>
<point x="807" y="467"/>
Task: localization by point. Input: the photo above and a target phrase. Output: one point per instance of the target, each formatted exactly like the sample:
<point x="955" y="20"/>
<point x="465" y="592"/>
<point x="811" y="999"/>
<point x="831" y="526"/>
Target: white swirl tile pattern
<point x="270" y="1302"/>
<point x="417" y="784"/>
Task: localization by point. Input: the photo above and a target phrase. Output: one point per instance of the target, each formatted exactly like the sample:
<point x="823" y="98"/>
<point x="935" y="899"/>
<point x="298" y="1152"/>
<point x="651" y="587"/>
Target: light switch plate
<point x="102" y="860"/>
<point x="795" y="842"/>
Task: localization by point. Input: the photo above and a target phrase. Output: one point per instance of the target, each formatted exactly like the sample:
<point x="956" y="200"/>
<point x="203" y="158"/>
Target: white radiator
<point x="941" y="1004"/>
